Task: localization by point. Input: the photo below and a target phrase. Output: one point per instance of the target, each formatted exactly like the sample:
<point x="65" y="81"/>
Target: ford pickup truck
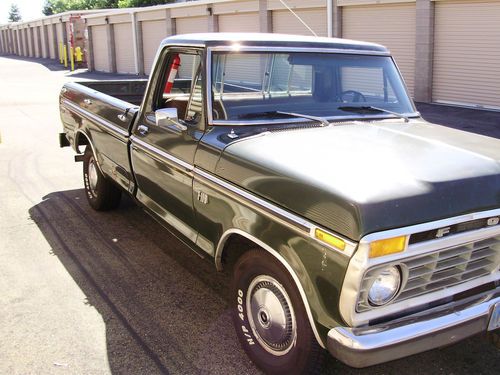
<point x="301" y="166"/>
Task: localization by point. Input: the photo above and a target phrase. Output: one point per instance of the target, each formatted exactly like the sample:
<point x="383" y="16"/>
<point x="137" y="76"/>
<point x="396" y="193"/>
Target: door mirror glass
<point x="166" y="117"/>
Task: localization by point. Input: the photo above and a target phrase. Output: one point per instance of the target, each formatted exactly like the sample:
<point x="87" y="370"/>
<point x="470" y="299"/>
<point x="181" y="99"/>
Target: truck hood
<point x="362" y="177"/>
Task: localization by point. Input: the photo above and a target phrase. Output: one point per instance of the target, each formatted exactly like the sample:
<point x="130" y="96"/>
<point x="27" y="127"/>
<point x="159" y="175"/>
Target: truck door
<point x="165" y="137"/>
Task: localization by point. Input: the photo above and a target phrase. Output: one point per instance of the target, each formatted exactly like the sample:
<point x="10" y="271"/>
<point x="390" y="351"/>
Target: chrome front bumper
<point x="362" y="347"/>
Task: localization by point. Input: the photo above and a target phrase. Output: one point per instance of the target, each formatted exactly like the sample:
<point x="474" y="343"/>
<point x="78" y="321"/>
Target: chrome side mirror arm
<point x="167" y="117"/>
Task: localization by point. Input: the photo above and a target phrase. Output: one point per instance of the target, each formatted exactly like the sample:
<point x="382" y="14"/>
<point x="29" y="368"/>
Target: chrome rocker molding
<point x="274" y="253"/>
<point x="364" y="347"/>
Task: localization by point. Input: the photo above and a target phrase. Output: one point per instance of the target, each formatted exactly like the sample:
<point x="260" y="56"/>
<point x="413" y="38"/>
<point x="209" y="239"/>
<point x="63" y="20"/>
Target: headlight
<point x="385" y="286"/>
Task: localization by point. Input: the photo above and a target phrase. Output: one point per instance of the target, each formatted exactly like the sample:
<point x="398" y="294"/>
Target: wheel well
<point x="235" y="244"/>
<point x="234" y="247"/>
<point x="81" y="140"/>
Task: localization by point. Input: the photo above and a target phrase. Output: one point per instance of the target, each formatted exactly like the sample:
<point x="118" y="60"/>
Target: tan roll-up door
<point x="100" y="48"/>
<point x="243" y="22"/>
<point x="153" y="32"/>
<point x="32" y="36"/>
<point x="242" y="67"/>
<point x="20" y="36"/>
<point x="50" y="37"/>
<point x="284" y="22"/>
<point x="392" y="25"/>
<point x="59" y="34"/>
<point x="29" y="41"/>
<point x="27" y="32"/>
<point x="124" y="48"/>
<point x="191" y="25"/>
<point x="26" y="42"/>
<point x="467" y="53"/>
<point x="36" y="31"/>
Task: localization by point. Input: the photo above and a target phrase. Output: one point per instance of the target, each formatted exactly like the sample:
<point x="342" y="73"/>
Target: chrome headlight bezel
<point x="389" y="277"/>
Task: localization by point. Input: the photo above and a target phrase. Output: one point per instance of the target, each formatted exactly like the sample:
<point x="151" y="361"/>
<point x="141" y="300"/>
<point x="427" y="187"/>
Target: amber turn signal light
<point x="329" y="239"/>
<point x="387" y="246"/>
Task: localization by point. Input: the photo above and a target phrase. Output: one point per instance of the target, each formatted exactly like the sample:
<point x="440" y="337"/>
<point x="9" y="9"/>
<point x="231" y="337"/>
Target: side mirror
<point x="168" y="117"/>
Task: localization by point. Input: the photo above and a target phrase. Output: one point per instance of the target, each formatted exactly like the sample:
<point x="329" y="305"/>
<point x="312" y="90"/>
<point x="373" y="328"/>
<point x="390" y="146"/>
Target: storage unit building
<point x="392" y="25"/>
<point x="100" y="48"/>
<point x="186" y="25"/>
<point x="467" y="53"/>
<point x="125" y="62"/>
<point x="239" y="22"/>
<point x="153" y="32"/>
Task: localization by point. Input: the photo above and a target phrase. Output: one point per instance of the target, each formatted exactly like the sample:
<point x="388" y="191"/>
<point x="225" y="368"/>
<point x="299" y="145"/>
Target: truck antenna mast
<point x="298" y="17"/>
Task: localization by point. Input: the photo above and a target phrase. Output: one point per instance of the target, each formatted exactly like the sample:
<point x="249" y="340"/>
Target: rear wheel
<point x="102" y="194"/>
<point x="270" y="318"/>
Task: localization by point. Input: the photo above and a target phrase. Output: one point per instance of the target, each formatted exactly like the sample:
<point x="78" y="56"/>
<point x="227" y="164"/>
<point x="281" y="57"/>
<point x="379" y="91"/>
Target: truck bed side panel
<point x="105" y="121"/>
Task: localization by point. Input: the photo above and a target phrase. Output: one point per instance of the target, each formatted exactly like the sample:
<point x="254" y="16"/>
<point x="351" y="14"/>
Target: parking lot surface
<point x="99" y="293"/>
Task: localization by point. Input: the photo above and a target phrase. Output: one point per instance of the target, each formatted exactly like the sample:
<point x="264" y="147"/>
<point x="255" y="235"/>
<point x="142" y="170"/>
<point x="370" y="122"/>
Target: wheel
<point x="352" y="96"/>
<point x="270" y="319"/>
<point x="101" y="193"/>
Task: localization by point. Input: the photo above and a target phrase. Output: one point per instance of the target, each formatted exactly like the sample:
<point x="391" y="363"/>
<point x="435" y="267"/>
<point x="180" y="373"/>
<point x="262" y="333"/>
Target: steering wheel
<point x="352" y="96"/>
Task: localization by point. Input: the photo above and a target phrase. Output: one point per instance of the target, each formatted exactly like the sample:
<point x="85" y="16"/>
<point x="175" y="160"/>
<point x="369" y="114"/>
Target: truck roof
<point x="273" y="40"/>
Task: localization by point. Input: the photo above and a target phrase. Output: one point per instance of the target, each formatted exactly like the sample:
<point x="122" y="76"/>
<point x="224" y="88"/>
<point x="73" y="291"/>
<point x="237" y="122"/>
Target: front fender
<point x="317" y="270"/>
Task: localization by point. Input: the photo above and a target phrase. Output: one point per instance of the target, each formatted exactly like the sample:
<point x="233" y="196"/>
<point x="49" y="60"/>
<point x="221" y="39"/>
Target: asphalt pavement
<point x="83" y="292"/>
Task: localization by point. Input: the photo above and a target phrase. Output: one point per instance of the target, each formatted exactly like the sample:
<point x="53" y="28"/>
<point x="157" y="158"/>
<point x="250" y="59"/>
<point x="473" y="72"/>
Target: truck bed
<point x="131" y="91"/>
<point x="101" y="113"/>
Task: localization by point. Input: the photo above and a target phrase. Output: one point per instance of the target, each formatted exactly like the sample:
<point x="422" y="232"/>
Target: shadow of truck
<point x="165" y="308"/>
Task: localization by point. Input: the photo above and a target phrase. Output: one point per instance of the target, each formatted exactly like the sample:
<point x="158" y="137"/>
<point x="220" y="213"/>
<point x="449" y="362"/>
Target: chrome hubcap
<point x="271" y="315"/>
<point x="92" y="176"/>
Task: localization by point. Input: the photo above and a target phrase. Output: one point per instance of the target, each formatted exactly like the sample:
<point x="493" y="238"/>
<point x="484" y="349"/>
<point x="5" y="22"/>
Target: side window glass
<point x="195" y="107"/>
<point x="181" y="86"/>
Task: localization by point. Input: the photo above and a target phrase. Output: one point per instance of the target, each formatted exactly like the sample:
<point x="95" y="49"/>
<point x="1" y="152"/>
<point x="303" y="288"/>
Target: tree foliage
<point x="59" y="6"/>
<point x="141" y="3"/>
<point x="14" y="14"/>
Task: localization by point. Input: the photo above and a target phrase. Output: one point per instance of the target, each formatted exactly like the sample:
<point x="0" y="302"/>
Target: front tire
<point x="270" y="319"/>
<point x="102" y="194"/>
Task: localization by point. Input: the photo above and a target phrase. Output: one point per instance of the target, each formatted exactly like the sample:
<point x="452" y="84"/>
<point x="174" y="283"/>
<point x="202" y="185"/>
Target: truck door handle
<point x="87" y="101"/>
<point x="143" y="129"/>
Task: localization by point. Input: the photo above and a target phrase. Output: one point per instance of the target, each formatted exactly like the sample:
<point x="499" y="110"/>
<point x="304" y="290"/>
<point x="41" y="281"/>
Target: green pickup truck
<point x="300" y="165"/>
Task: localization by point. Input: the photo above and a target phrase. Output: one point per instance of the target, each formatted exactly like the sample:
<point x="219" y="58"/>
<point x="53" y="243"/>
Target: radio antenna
<point x="298" y="17"/>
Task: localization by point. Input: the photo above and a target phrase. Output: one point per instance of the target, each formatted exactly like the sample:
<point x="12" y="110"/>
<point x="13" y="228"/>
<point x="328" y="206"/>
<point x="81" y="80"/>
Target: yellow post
<point x="78" y="54"/>
<point x="60" y="52"/>
<point x="72" y="58"/>
<point x="65" y="56"/>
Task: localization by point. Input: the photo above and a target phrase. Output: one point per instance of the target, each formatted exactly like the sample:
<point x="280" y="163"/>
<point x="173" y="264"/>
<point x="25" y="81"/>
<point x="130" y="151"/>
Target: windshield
<point x="250" y="86"/>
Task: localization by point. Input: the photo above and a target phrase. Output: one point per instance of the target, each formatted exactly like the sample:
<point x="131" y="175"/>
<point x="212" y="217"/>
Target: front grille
<point x="441" y="269"/>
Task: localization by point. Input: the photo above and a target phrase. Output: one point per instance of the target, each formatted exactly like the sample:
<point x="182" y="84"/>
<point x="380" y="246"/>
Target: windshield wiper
<point x="372" y="108"/>
<point x="323" y="121"/>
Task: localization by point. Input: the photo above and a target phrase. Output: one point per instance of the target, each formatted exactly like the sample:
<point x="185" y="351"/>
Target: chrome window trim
<point x="208" y="75"/>
<point x="92" y="117"/>
<point x="218" y="255"/>
<point x="360" y="263"/>
<point x="333" y="119"/>
<point x="405" y="86"/>
<point x="236" y="47"/>
<point x="208" y="87"/>
<point x="161" y="48"/>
